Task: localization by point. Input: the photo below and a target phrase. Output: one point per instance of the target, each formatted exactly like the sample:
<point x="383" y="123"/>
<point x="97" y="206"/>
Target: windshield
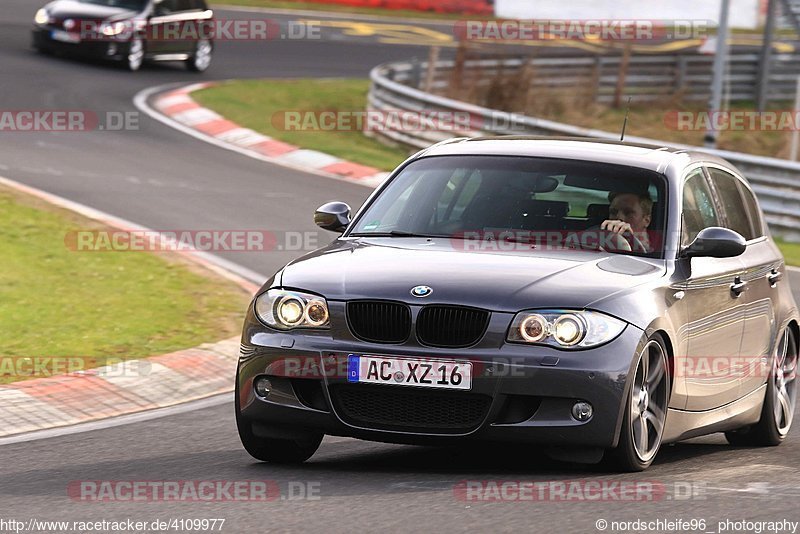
<point x="540" y="201"/>
<point x="134" y="5"/>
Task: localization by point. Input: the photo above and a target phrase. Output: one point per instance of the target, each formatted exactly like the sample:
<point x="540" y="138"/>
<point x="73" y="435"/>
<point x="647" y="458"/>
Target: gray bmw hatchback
<point x="598" y="298"/>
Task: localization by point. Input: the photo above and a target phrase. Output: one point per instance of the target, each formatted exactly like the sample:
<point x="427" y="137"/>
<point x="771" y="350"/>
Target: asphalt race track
<point x="163" y="179"/>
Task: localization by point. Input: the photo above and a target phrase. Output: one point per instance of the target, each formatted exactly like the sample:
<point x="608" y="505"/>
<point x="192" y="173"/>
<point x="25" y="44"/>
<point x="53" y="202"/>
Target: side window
<point x="753" y="213"/>
<point x="165" y="7"/>
<point x="184" y="5"/>
<point x="736" y="216"/>
<point x="698" y="207"/>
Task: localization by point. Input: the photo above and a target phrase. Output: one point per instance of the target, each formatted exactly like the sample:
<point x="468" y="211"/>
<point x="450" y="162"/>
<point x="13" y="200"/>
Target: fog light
<point x="582" y="411"/>
<point x="263" y="386"/>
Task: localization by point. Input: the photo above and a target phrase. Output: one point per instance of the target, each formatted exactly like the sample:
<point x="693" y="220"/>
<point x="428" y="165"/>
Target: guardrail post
<point x="597" y="69"/>
<point x="433" y="59"/>
<point x="680" y="74"/>
<point x="622" y="74"/>
<point x="795" y="132"/>
<point x="765" y="61"/>
<point x="457" y="76"/>
<point x="415" y="76"/>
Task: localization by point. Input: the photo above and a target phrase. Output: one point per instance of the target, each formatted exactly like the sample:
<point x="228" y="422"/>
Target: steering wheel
<point x="637" y="244"/>
<point x="625" y="242"/>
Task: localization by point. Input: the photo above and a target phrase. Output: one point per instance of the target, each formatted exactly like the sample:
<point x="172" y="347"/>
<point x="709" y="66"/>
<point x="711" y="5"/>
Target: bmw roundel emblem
<point x="421" y="291"/>
<point x="69" y="24"/>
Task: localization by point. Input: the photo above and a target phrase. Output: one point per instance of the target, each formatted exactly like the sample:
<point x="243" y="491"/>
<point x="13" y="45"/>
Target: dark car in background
<point x="495" y="289"/>
<point x="130" y="31"/>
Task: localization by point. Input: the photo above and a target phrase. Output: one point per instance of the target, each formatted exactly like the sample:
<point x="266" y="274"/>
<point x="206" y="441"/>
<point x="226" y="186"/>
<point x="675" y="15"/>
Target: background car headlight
<point x="41" y="17"/>
<point x="564" y="328"/>
<point x="110" y="29"/>
<point x="285" y="309"/>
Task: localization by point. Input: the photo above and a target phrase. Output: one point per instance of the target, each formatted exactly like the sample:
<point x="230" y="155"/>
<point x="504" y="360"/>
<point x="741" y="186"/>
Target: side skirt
<point x="682" y="424"/>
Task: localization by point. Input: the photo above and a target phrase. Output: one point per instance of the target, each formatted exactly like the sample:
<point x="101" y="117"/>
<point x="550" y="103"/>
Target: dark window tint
<point x="167" y="6"/>
<point x="698" y="207"/>
<point x="753" y="213"/>
<point x="184" y="5"/>
<point x="136" y="5"/>
<point x="736" y="216"/>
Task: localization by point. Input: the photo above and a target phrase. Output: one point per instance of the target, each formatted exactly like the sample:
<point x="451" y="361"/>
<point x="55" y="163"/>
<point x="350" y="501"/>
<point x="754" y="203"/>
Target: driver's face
<point x="627" y="207"/>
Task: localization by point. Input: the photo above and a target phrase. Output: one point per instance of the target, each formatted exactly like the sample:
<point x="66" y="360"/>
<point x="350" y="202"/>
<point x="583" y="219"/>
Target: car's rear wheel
<point x="135" y="57"/>
<point x="201" y="58"/>
<point x="779" y="402"/>
<point x="645" y="410"/>
<point x="285" y="451"/>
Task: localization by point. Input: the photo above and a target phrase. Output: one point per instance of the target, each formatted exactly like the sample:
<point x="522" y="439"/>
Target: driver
<point x="629" y="212"/>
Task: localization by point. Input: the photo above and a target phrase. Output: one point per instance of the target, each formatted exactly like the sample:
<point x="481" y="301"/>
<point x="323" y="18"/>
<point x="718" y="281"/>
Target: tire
<point x="135" y="56"/>
<point x="779" y="402"/>
<point x="282" y="451"/>
<point x="201" y="58"/>
<point x="645" y="409"/>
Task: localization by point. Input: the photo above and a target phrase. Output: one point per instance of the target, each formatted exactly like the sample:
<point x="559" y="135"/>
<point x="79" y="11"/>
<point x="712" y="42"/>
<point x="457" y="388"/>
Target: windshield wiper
<point x="393" y="233"/>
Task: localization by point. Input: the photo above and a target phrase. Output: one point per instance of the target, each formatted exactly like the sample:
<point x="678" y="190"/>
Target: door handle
<point x="774" y="277"/>
<point x="738" y="287"/>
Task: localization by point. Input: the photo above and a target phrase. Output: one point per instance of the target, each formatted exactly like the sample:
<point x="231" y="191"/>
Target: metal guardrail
<point x="647" y="77"/>
<point x="775" y="181"/>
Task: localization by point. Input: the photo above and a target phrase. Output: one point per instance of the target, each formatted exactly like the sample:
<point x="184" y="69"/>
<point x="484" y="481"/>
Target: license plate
<point x="65" y="37"/>
<point x="439" y="374"/>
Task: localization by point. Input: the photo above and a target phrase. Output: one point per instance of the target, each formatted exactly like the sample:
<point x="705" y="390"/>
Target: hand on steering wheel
<point x="623" y="236"/>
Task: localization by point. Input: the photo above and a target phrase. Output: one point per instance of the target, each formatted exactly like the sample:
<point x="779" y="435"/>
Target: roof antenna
<point x="625" y="122"/>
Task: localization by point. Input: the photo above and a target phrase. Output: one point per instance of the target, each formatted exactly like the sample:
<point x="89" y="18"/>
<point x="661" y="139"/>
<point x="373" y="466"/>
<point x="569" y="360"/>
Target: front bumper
<point x="519" y="393"/>
<point x="97" y="48"/>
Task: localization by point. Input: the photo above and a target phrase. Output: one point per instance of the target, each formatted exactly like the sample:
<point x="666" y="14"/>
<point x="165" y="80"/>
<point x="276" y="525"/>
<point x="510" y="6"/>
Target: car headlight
<point x="41" y="17"/>
<point x="110" y="29"/>
<point x="285" y="309"/>
<point x="564" y="329"/>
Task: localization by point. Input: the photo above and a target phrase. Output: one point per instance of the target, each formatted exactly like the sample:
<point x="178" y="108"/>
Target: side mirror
<point x="333" y="216"/>
<point x="715" y="242"/>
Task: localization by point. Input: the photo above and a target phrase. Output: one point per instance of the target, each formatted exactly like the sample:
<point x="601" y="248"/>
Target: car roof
<point x="653" y="157"/>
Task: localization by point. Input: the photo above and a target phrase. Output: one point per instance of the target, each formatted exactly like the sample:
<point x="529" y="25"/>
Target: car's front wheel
<point x="135" y="57"/>
<point x="284" y="451"/>
<point x="201" y="58"/>
<point x="779" y="403"/>
<point x="645" y="410"/>
<point x="280" y="451"/>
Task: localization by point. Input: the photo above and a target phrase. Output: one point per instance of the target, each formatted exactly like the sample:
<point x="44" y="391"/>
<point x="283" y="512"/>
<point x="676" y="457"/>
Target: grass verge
<point x="791" y="252"/>
<point x="261" y="104"/>
<point x="95" y="308"/>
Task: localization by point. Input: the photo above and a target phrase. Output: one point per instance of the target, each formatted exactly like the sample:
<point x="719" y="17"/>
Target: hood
<point x="69" y="9"/>
<point x="387" y="268"/>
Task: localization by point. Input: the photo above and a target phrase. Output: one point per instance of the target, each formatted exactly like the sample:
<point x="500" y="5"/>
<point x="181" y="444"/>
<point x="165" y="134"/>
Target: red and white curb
<point x="179" y="108"/>
<point x="128" y="387"/>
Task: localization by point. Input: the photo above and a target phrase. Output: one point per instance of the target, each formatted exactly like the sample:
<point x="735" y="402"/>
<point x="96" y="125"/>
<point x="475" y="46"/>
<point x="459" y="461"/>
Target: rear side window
<point x="698" y="207"/>
<point x="753" y="213"/>
<point x="166" y="7"/>
<point x="184" y="5"/>
<point x="736" y="217"/>
<point x="174" y="6"/>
